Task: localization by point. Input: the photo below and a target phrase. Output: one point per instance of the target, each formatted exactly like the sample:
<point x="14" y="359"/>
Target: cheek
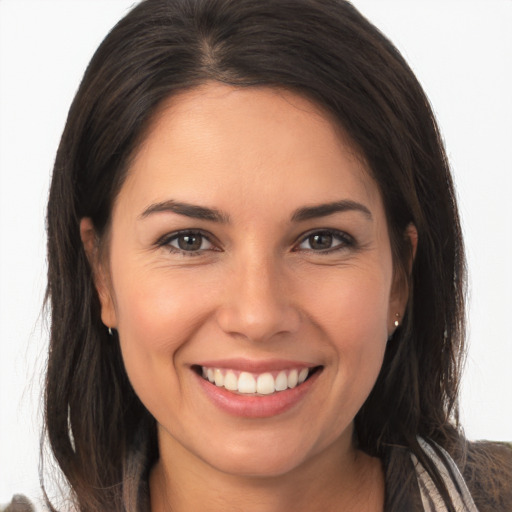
<point x="352" y="306"/>
<point x="150" y="308"/>
<point x="359" y="336"/>
<point x="352" y="319"/>
<point x="157" y="314"/>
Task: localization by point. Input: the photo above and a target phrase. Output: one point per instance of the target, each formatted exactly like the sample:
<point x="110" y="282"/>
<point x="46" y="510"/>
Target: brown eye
<point x="320" y="241"/>
<point x="326" y="241"/>
<point x="189" y="242"/>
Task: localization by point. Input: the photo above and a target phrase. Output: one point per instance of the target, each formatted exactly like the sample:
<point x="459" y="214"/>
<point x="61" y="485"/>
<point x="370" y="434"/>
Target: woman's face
<point x="249" y="245"/>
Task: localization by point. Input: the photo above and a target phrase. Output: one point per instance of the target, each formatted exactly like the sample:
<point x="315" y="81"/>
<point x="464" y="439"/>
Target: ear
<point x="400" y="288"/>
<point x="100" y="273"/>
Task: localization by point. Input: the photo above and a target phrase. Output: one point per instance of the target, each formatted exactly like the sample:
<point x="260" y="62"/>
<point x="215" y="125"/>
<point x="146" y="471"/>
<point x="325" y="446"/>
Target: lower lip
<point x="249" y="406"/>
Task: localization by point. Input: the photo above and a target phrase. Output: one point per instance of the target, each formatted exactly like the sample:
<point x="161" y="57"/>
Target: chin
<point x="261" y="456"/>
<point x="269" y="466"/>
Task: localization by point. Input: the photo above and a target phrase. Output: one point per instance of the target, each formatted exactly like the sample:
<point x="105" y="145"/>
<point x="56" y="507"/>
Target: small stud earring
<point x="397" y="321"/>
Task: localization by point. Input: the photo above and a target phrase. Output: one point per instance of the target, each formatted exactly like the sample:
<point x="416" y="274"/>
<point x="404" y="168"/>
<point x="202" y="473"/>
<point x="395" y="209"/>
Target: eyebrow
<point x="186" y="209"/>
<point x="214" y="215"/>
<point x="323" y="210"/>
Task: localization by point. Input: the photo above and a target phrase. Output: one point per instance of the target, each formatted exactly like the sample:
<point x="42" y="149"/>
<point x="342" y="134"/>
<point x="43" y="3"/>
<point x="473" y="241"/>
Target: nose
<point x="257" y="302"/>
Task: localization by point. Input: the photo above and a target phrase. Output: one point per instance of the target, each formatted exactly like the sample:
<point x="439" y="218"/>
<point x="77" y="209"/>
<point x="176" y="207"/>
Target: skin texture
<point x="257" y="289"/>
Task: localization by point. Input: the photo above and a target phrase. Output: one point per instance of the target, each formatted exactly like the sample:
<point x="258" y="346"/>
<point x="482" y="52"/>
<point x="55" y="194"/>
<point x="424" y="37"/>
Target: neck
<point x="339" y="478"/>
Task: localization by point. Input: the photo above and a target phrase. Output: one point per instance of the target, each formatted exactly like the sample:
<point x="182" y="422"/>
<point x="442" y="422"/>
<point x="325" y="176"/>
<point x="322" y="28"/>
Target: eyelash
<point x="345" y="241"/>
<point x="166" y="241"/>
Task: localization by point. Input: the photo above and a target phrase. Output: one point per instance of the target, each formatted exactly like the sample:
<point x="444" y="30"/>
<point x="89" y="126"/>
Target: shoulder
<point x="18" y="504"/>
<point x="487" y="470"/>
<point x="485" y="466"/>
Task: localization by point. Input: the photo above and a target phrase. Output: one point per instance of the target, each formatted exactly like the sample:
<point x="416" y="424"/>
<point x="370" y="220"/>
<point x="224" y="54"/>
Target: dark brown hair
<point x="328" y="52"/>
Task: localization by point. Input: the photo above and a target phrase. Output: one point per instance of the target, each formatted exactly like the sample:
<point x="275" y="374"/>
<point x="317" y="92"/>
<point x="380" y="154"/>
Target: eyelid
<point x="346" y="240"/>
<point x="165" y="241"/>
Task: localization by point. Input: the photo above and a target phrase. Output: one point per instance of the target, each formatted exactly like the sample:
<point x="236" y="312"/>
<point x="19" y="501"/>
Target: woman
<point x="256" y="272"/>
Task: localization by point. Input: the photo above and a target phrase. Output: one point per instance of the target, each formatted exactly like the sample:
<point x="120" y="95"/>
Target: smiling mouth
<point x="255" y="384"/>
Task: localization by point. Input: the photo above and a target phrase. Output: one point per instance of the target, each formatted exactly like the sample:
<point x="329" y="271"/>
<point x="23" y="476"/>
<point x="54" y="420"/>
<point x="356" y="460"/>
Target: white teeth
<point x="265" y="384"/>
<point x="219" y="378"/>
<point x="248" y="383"/>
<point x="293" y="378"/>
<point x="230" y="381"/>
<point x="281" y="381"/>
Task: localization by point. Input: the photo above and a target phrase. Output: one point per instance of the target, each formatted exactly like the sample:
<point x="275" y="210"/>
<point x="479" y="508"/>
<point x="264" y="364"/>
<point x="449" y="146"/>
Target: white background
<point x="461" y="51"/>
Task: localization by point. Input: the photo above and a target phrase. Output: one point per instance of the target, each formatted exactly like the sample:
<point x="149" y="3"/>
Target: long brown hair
<point x="328" y="52"/>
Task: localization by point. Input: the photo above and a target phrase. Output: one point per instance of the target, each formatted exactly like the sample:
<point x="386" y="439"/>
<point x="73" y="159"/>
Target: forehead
<point x="248" y="141"/>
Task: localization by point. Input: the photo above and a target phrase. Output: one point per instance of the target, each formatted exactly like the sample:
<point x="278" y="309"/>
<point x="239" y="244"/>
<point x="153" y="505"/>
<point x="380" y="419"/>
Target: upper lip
<point x="255" y="366"/>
